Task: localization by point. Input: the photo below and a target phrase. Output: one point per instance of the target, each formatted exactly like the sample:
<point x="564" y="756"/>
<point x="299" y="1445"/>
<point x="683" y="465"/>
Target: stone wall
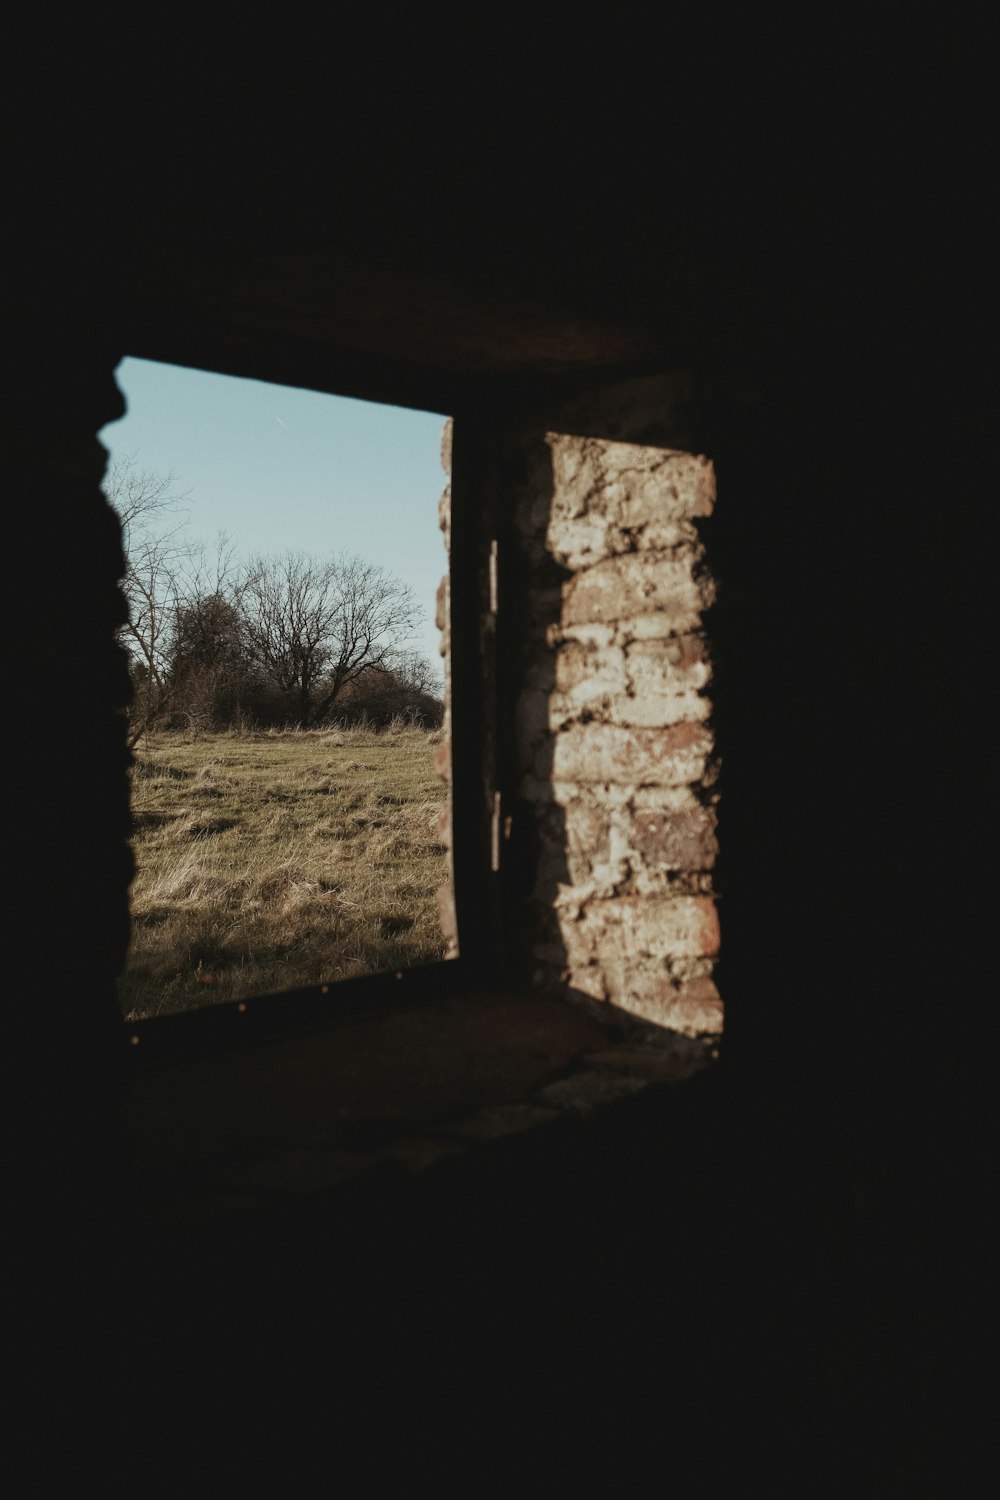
<point x="614" y="744"/>
<point x="614" y="753"/>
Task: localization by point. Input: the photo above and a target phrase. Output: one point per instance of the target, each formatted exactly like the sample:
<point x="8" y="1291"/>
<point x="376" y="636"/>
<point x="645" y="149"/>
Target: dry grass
<point x="275" y="860"/>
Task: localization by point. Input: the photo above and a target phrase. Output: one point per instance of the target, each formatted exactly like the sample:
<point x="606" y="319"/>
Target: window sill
<point x="371" y="1100"/>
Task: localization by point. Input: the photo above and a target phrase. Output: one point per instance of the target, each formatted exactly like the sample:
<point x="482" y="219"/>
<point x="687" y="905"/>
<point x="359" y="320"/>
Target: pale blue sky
<point x="278" y="468"/>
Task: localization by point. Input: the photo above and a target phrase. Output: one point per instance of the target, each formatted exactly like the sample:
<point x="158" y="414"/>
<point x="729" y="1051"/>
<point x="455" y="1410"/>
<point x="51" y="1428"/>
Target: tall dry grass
<point x="268" y="861"/>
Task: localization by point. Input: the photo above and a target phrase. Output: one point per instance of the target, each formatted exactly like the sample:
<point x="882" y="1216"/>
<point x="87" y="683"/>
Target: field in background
<point x="275" y="860"/>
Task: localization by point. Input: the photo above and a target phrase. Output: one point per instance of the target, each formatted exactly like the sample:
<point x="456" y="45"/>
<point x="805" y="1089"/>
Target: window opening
<point x="283" y="556"/>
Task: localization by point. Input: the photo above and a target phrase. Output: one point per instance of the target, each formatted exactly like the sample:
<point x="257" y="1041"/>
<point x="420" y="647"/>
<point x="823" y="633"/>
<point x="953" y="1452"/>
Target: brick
<point x="693" y="1008"/>
<point x="658" y="880"/>
<point x="636" y="686"/>
<point x="630" y="482"/>
<point x="657" y="710"/>
<point x="659" y="627"/>
<point x="662" y="799"/>
<point x="587" y="838"/>
<point x="637" y="584"/>
<point x="674" y="665"/>
<point x="579" y="541"/>
<point x="584" y="674"/>
<point x="608" y="753"/>
<point x="582" y="633"/>
<point x="606" y="794"/>
<point x="577" y="853"/>
<point x="662" y="927"/>
<point x="650" y="683"/>
<point x="673" y="484"/>
<point x="676" y="840"/>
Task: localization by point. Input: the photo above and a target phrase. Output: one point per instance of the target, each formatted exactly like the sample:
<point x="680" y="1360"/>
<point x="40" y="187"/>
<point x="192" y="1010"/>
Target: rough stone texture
<point x="673" y="755"/>
<point x="614" y="745"/>
<point x="675" y="840"/>
<point x="639" y="583"/>
<point x="610" y="498"/>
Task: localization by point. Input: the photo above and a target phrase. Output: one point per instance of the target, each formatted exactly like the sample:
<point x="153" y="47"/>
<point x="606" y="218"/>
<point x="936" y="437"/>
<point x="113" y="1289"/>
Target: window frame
<point x="473" y="715"/>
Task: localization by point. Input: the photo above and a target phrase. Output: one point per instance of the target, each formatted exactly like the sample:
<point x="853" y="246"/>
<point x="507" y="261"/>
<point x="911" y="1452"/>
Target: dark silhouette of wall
<point x="772" y="1278"/>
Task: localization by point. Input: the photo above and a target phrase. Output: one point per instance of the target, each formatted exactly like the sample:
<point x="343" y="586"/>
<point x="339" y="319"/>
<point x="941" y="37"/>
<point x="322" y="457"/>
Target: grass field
<point x="275" y="860"/>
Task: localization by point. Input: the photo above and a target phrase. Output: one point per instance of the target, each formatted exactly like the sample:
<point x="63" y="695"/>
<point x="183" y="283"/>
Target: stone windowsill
<point x="359" y="1099"/>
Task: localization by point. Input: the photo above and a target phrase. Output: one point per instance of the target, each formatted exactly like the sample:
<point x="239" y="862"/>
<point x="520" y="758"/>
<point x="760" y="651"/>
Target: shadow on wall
<point x="614" y="753"/>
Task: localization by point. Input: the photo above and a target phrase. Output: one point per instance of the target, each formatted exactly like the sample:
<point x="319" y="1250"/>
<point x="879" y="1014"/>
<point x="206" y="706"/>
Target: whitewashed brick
<point x="639" y="583"/>
<point x="609" y="753"/>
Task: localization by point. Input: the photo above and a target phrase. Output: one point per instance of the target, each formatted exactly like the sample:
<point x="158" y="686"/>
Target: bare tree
<point x="316" y="625"/>
<point x="410" y="692"/>
<point x="156" y="552"/>
<point x="417" y="677"/>
<point x="207" y="638"/>
<point x="208" y="659"/>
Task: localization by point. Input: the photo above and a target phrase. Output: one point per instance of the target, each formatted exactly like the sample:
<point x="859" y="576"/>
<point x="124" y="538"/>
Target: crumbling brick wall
<point x="615" y="768"/>
<point x="614" y="744"/>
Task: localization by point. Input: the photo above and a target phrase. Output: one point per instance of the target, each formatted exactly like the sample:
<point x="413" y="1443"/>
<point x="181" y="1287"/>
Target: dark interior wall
<point x="849" y="653"/>
<point x="780" y="247"/>
<point x="68" y="682"/>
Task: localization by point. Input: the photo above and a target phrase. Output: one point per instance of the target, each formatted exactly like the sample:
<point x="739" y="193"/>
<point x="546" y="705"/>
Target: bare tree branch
<point x="289" y="634"/>
<point x="316" y="625"/>
<point x="155" y="552"/>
